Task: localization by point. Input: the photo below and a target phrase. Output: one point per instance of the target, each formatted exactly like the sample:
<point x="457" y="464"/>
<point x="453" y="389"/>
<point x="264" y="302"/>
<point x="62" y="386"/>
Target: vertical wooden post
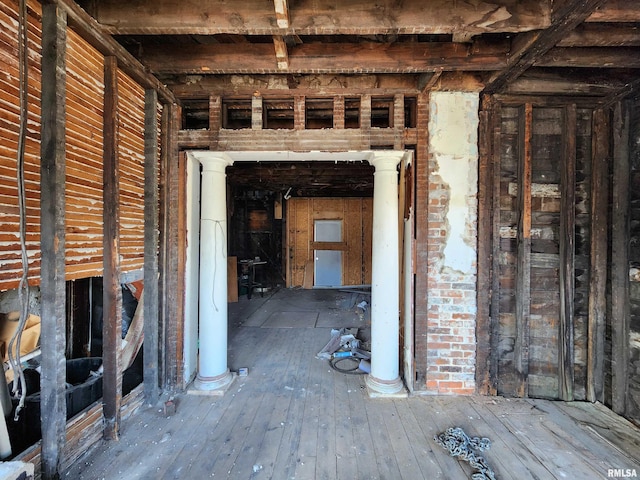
<point x="496" y="159"/>
<point x="598" y="267"/>
<point x="150" y="306"/>
<point x="523" y="275"/>
<point x="620" y="241"/>
<point x="257" y="119"/>
<point x="567" y="256"/>
<point x="299" y="113"/>
<point x="112" y="292"/>
<point x="53" y="410"/>
<point x="485" y="221"/>
<point x="169" y="249"/>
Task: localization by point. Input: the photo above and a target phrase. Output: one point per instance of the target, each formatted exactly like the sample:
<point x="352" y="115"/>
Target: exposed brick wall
<point x="451" y="244"/>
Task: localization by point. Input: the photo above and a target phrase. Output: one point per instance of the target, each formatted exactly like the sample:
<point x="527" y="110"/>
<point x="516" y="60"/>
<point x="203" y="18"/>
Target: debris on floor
<point x="456" y="441"/>
<point x="345" y="348"/>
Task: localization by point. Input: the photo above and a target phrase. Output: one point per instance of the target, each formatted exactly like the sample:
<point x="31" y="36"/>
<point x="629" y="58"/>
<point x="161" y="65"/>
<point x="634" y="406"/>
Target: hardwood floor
<point x="293" y="417"/>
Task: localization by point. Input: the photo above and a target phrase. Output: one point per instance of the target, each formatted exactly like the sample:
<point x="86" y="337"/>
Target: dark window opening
<point x="352" y="113"/>
<point x="410" y="112"/>
<point x="382" y="112"/>
<point x="277" y="113"/>
<point x="195" y="114"/>
<point x="236" y="114"/>
<point x="319" y="113"/>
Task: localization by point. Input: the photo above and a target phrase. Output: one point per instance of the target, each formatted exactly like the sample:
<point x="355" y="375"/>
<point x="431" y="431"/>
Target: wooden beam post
<point x="485" y="222"/>
<point x="523" y="266"/>
<point x="567" y="256"/>
<point x="151" y="198"/>
<point x="496" y="160"/>
<point x="53" y="409"/>
<point x="282" y="54"/>
<point x="112" y="291"/>
<point x="620" y="241"/>
<point x="282" y="13"/>
<point x="169" y="253"/>
<point x="598" y="267"/>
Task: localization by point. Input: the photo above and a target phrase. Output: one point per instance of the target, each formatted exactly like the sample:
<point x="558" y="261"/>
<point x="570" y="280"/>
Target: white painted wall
<point x="453" y="138"/>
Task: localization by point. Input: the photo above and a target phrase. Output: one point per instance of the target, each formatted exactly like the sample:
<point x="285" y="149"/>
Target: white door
<point x="328" y="263"/>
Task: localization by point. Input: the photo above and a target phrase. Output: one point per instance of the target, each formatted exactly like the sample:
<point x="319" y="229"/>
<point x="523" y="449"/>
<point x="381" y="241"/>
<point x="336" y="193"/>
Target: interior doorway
<point x="331" y="232"/>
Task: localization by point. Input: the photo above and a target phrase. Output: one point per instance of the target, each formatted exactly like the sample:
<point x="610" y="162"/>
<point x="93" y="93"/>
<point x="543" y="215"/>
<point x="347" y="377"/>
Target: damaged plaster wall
<point x="453" y="184"/>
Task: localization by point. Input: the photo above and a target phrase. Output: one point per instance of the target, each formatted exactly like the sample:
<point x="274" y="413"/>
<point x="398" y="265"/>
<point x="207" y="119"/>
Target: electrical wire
<point x="19" y="382"/>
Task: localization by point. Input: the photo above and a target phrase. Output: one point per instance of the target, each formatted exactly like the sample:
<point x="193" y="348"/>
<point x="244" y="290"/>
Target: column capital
<point x="212" y="161"/>
<point x="386" y="160"/>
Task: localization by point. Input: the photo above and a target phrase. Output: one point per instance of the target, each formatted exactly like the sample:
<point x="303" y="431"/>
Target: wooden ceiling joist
<point x="531" y="47"/>
<point x="597" y="57"/>
<point x="91" y="31"/>
<point x="325" y="58"/>
<point x="257" y="17"/>
<point x="603" y="35"/>
<point x="282" y="56"/>
<point x="282" y="13"/>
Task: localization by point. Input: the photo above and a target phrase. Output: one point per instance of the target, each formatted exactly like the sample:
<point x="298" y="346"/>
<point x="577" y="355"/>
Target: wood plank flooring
<point x="293" y="417"/>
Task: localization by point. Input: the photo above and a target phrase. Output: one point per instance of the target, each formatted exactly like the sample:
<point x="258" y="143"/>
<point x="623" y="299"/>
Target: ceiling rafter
<point x="530" y="47"/>
<point x="410" y="57"/>
<point x="282" y="55"/>
<point x="282" y="13"/>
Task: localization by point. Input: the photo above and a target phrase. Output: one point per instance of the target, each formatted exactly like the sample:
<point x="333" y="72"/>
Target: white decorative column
<point x="385" y="291"/>
<point x="213" y="373"/>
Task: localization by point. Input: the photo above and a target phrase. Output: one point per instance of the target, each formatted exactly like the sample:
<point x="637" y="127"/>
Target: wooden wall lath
<point x="542" y="243"/>
<point x="357" y="217"/>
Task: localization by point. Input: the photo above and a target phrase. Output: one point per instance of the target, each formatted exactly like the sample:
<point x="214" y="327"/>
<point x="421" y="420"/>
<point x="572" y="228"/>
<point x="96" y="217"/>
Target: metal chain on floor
<point x="456" y="441"/>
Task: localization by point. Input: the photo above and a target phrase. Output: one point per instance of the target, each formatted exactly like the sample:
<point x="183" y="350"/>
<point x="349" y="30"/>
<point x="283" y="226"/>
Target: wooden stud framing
<point x="52" y="238"/>
<point x="150" y="307"/>
<point x="112" y="292"/>
<point x="620" y="241"/>
<point x="598" y="267"/>
<point x="496" y="160"/>
<point x="567" y="257"/>
<point x="485" y="222"/>
<point x="523" y="275"/>
<point x="169" y="252"/>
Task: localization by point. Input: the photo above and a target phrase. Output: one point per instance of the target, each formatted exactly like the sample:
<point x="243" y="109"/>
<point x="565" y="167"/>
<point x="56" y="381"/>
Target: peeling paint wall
<point x="452" y="217"/>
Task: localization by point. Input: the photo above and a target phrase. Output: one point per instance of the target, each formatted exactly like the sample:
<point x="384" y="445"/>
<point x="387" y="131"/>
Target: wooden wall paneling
<point x="178" y="329"/>
<point x="508" y="148"/>
<point x="567" y="256"/>
<point x="353" y="239"/>
<point x="84" y="136"/>
<point x="620" y="241"/>
<point x="170" y="248"/>
<point x="545" y="301"/>
<point x="494" y="180"/>
<point x="11" y="271"/>
<point x="151" y="240"/>
<point x="52" y="228"/>
<point x="485" y="228"/>
<point x="598" y="265"/>
<point x="112" y="291"/>
<point x="367" y="239"/>
<point x="131" y="118"/>
<point x="523" y="266"/>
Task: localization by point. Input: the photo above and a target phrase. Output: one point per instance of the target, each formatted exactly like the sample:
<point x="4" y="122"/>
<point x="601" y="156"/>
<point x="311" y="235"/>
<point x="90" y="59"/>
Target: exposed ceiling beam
<point x="282" y="56"/>
<point x="596" y="57"/>
<point x="631" y="88"/>
<point x="603" y="35"/>
<point x="282" y="13"/>
<point x="320" y="17"/>
<point x="616" y="11"/>
<point x="531" y="47"/>
<point x="593" y="83"/>
<point x="325" y="58"/>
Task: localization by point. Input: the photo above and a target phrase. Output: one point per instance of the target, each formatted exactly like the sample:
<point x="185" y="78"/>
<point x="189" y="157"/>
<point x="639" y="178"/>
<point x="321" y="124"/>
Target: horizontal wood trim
<point x="329" y="245"/>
